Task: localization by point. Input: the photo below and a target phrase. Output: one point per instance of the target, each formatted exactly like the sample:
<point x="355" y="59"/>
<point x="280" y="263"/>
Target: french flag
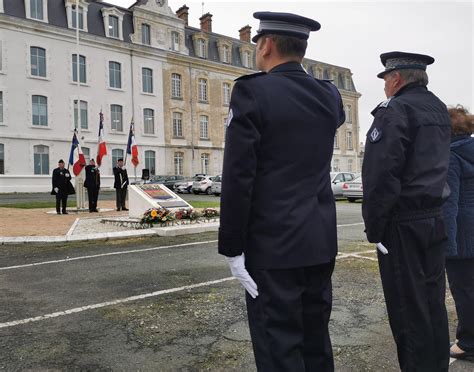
<point x="102" y="150"/>
<point x="132" y="147"/>
<point x="81" y="161"/>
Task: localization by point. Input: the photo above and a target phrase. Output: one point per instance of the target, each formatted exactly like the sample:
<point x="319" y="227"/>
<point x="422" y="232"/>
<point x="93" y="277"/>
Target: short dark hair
<point x="289" y="46"/>
<point x="461" y="121"/>
<point x="119" y="160"/>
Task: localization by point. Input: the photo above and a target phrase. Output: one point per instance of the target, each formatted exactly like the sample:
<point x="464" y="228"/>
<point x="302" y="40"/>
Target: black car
<point x="168" y="181"/>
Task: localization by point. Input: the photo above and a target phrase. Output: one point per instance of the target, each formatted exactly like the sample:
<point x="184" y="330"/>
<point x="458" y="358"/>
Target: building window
<point x="81" y="17"/>
<point x="348" y="114"/>
<point x="147" y="80"/>
<point x="84" y="121"/>
<point x="82" y="68"/>
<point x="146" y="34"/>
<point x="2" y="158"/>
<point x="226" y="93"/>
<point x="38" y="61"/>
<point x="1" y="108"/>
<point x="115" y="75"/>
<point x="335" y="165"/>
<point x="40" y="110"/>
<point x="225" y="54"/>
<point x="1" y="55"/>
<point x="204" y="127"/>
<point x="176" y="85"/>
<point x="246" y="59"/>
<point x="349" y="165"/>
<point x="336" y="141"/>
<point x="177" y="124"/>
<point x="178" y="163"/>
<point x="149" y="121"/>
<point x="36" y="9"/>
<point x="150" y="161"/>
<point x="116" y="118"/>
<point x="205" y="163"/>
<point x="174" y="40"/>
<point x="348" y="83"/>
<point x="116" y="155"/>
<point x="349" y="141"/>
<point x="87" y="153"/>
<point x="113" y="26"/>
<point x="201" y="47"/>
<point x="41" y="159"/>
<point x="202" y="83"/>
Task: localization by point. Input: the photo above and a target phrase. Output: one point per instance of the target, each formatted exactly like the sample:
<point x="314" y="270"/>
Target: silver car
<point x="202" y="184"/>
<point x="216" y="185"/>
<point x="337" y="181"/>
<point x="353" y="190"/>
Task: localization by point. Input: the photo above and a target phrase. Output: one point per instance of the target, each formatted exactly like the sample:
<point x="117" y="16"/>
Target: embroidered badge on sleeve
<point x="375" y="135"/>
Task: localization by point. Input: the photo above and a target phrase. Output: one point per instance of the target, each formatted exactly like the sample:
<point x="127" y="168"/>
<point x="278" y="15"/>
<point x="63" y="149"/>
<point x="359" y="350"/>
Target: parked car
<point x="168" y="181"/>
<point x="202" y="184"/>
<point x="353" y="190"/>
<point x="216" y="185"/>
<point x="337" y="181"/>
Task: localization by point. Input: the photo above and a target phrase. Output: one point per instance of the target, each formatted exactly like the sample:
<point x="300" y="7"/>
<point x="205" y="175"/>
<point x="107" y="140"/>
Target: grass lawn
<point x="36" y="204"/>
<point x="204" y="204"/>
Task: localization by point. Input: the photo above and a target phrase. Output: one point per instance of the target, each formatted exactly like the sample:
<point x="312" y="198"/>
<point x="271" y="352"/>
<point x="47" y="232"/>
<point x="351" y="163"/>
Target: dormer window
<point x="201" y="43"/>
<point x="246" y="54"/>
<point x="73" y="14"/>
<point x="226" y="54"/>
<point x="174" y="41"/>
<point x="113" y="26"/>
<point x="113" y="19"/>
<point x="37" y="9"/>
<point x="146" y="34"/>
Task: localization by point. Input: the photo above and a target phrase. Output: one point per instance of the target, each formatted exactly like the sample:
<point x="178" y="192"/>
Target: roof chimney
<point x="206" y="22"/>
<point x="244" y="33"/>
<point x="183" y="14"/>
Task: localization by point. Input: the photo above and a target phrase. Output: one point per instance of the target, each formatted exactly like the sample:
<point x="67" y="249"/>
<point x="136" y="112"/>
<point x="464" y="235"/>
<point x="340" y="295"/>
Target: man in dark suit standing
<point x="278" y="216"/>
<point x="62" y="187"/>
<point x="120" y="185"/>
<point x="92" y="184"/>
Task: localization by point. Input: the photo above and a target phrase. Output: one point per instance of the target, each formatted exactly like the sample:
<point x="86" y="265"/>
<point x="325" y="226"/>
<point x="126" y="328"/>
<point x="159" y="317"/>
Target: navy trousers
<point x="461" y="282"/>
<point x="414" y="285"/>
<point x="289" y="319"/>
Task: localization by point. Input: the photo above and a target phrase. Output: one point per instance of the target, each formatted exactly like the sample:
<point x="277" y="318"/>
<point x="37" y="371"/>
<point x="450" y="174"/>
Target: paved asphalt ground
<point x="169" y="304"/>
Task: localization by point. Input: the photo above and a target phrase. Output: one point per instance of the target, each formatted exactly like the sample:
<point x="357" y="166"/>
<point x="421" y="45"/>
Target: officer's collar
<point x="288" y="66"/>
<point x="408" y="87"/>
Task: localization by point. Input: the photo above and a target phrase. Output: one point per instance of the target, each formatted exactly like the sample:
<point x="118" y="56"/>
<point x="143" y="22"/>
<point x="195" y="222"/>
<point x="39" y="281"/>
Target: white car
<point x="202" y="184"/>
<point x="353" y="190"/>
<point x="216" y="185"/>
<point x="337" y="181"/>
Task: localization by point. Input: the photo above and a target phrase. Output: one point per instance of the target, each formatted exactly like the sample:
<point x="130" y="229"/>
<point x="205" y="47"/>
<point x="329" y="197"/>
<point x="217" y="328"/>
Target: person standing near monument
<point x="404" y="181"/>
<point x="62" y="187"/>
<point x="279" y="237"/>
<point x="120" y="185"/>
<point x="92" y="184"/>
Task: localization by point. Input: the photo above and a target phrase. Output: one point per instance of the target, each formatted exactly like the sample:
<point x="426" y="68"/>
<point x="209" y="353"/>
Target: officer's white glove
<point x="238" y="270"/>
<point x="382" y="248"/>
<point x="68" y="175"/>
<point x="56" y="190"/>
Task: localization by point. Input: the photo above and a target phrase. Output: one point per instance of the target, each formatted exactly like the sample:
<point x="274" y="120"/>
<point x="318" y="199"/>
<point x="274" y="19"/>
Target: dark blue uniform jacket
<point x="276" y="204"/>
<point x="406" y="158"/>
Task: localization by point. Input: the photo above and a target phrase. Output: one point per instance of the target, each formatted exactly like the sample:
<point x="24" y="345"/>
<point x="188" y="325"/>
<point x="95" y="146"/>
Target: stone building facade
<point x="145" y="64"/>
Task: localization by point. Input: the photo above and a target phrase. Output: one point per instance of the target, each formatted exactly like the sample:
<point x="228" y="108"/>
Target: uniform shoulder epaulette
<point x="245" y="77"/>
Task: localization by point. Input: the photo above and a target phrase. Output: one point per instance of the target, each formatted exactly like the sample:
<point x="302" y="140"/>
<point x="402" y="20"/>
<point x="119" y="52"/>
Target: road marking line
<point x="110" y="303"/>
<point x="104" y="255"/>
<point x="121" y="252"/>
<point x="73" y="227"/>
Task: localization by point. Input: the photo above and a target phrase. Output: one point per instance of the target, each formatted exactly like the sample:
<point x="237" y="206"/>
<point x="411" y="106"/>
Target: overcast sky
<point x="354" y="33"/>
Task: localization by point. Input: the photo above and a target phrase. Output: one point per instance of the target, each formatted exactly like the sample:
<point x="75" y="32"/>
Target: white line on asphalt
<point x="110" y="303"/>
<point x="124" y="300"/>
<point x="105" y="254"/>
<point x="73" y="227"/>
<point x="124" y="252"/>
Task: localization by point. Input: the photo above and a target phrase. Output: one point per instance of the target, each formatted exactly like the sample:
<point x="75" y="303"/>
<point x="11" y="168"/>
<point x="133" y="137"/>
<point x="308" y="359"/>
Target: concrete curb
<point x="158" y="231"/>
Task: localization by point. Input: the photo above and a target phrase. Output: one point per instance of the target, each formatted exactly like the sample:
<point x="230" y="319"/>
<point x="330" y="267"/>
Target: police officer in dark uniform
<point x="278" y="217"/>
<point x="404" y="181"/>
<point x="92" y="184"/>
<point x="62" y="187"/>
<point x="120" y="185"/>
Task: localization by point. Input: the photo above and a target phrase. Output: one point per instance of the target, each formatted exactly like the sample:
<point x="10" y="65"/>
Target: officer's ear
<point x="265" y="45"/>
